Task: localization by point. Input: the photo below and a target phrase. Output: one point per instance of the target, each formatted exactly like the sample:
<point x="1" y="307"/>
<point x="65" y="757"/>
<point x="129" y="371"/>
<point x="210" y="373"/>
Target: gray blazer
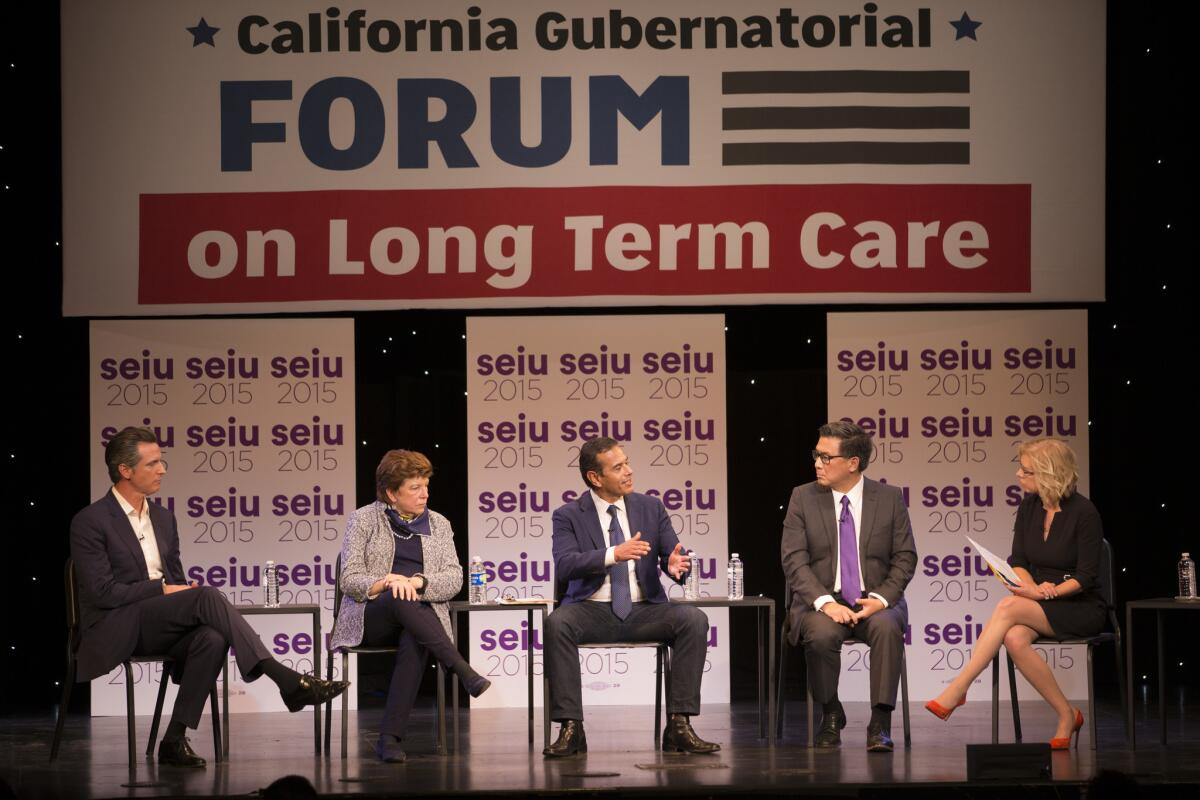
<point x="367" y="553"/>
<point x="887" y="552"/>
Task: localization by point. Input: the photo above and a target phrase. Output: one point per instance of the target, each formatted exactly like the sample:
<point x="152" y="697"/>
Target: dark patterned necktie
<point x="622" y="600"/>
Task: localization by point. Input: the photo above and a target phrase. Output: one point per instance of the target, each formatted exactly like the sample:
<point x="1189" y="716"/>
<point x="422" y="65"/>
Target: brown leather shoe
<point x="178" y="753"/>
<point x="571" y="740"/>
<point x="678" y="737"/>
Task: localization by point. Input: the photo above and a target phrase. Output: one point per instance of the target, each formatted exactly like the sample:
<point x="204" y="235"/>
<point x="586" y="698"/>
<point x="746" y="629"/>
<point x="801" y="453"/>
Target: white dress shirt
<point x="604" y="593"/>
<point x="143" y="529"/>
<point x="855" y="494"/>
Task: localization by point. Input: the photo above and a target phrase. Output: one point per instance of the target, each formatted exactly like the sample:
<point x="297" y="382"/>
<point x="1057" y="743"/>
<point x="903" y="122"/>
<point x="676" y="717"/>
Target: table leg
<point x="545" y="690"/>
<point x="1130" y="733"/>
<point x="225" y="706"/>
<point x="762" y="717"/>
<point x="318" y="645"/>
<point x="454" y="683"/>
<point x="772" y="727"/>
<point x="1162" y="678"/>
<point x="529" y="667"/>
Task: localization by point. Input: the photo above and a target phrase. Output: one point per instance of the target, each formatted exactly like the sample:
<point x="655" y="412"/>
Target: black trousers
<point x="416" y="631"/>
<point x="685" y="628"/>
<point x="195" y="629"/>
<point x="883" y="632"/>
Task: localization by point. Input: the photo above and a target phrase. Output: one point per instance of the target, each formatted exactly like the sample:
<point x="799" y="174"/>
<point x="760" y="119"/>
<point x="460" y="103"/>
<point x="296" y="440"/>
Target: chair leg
<point x="1117" y="651"/>
<point x="345" y="714"/>
<point x="214" y="704"/>
<point x="904" y="699"/>
<point x="329" y="702"/>
<point x="996" y="699"/>
<point x="661" y="684"/>
<point x="1091" y="698"/>
<point x="440" y="676"/>
<point x="129" y="711"/>
<point x="1012" y="695"/>
<point x="810" y="731"/>
<point x="64" y="704"/>
<point x="158" y="707"/>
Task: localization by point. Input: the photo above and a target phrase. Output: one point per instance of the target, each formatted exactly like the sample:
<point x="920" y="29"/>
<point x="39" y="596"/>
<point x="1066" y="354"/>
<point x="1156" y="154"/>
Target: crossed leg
<point x="1016" y="623"/>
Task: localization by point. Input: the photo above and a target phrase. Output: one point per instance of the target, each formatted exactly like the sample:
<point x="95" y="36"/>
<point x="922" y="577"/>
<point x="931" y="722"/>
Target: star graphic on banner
<point x="203" y="33"/>
<point x="965" y="28"/>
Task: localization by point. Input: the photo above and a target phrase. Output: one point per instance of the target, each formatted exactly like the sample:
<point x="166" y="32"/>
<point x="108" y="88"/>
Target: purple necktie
<point x="622" y="598"/>
<point x="848" y="557"/>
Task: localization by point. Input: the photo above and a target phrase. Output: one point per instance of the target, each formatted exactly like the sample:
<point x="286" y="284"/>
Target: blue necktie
<point x="848" y="557"/>
<point x="622" y="600"/>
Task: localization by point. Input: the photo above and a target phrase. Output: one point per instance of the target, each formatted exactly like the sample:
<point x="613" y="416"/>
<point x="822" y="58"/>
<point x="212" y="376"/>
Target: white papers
<point x="999" y="565"/>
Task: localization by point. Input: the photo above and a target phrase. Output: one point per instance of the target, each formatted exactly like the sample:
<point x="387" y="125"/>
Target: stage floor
<point x="495" y="757"/>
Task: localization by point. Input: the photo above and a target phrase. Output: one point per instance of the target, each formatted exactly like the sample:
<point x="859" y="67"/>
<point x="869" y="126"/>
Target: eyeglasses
<point x="824" y="458"/>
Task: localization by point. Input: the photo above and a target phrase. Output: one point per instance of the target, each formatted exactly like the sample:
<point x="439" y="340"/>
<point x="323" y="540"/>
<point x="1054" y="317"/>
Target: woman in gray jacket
<point x="399" y="568"/>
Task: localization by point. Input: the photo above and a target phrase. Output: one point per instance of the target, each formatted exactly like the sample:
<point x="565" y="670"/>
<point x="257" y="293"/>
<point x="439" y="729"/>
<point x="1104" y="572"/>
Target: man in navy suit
<point x="134" y="599"/>
<point x="609" y="545"/>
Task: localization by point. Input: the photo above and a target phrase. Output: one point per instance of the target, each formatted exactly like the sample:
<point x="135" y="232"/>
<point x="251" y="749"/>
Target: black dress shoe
<point x="388" y="749"/>
<point x="878" y="739"/>
<point x="312" y="691"/>
<point x="829" y="734"/>
<point x="477" y="685"/>
<point x="678" y="737"/>
<point x="178" y="754"/>
<point x="571" y="740"/>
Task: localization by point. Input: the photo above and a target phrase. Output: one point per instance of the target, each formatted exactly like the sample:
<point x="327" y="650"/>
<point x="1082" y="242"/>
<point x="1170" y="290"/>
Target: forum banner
<point x="256" y="420"/>
<point x="538" y="388"/>
<point x="948" y="398"/>
<point x="289" y="155"/>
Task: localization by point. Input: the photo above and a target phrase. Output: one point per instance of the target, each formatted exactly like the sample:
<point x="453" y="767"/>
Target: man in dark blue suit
<point x="135" y="600"/>
<point x="613" y="594"/>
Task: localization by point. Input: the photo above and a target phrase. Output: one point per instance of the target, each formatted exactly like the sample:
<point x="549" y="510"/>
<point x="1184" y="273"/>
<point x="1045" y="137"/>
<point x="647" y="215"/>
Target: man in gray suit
<point x="848" y="552"/>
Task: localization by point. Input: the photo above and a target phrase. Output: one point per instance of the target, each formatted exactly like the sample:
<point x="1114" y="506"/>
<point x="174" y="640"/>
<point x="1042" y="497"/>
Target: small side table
<point x="300" y="608"/>
<point x="1158" y="605"/>
<point x="765" y="608"/>
<point x="545" y="607"/>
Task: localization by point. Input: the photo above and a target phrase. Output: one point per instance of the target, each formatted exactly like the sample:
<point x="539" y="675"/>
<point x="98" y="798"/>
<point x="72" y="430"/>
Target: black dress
<point x="1072" y="550"/>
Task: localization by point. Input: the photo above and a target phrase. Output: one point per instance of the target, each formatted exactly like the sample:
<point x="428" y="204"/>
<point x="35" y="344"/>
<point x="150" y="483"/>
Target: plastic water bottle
<point x="691" y="587"/>
<point x="733" y="574"/>
<point x="477" y="592"/>
<point x="270" y="584"/>
<point x="1187" y="578"/>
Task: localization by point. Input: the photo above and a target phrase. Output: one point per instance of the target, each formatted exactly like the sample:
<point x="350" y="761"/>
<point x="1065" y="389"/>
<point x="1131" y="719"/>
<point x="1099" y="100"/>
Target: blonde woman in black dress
<point x="1057" y="541"/>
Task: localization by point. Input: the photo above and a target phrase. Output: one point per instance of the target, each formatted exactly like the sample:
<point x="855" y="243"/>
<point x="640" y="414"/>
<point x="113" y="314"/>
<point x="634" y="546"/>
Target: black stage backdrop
<point x="1140" y="343"/>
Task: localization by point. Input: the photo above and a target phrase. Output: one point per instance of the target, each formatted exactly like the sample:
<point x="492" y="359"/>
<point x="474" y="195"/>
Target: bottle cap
<point x="733" y="555"/>
<point x="1186" y="555"/>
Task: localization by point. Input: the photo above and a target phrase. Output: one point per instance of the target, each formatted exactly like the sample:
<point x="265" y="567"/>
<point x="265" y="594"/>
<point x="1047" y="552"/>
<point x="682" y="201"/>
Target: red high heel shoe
<point x="1065" y="742"/>
<point x="940" y="711"/>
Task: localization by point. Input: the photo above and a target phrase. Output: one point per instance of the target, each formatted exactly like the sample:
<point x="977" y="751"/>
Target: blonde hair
<point x="1054" y="468"/>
